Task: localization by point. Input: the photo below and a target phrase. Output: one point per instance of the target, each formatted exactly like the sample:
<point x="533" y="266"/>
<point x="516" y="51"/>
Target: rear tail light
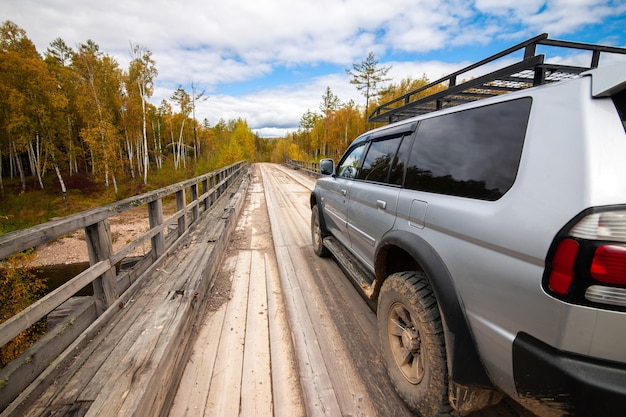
<point x="609" y="264"/>
<point x="610" y="225"/>
<point x="562" y="273"/>
<point x="587" y="263"/>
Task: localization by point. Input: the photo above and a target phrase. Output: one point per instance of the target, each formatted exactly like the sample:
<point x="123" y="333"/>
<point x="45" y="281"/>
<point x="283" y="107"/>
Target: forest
<point x="77" y="130"/>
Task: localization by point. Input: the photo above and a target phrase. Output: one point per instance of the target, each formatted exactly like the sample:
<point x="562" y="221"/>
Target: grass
<point x="22" y="209"/>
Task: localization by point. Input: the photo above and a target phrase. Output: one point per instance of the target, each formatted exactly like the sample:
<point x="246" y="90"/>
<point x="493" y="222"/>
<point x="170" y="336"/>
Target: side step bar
<point x="352" y="267"/>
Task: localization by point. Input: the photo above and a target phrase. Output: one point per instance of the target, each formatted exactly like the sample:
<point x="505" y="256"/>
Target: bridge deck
<point x="129" y="364"/>
<point x="243" y="361"/>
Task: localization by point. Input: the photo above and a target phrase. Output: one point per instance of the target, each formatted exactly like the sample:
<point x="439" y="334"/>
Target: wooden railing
<point x="193" y="197"/>
<point x="311" y="168"/>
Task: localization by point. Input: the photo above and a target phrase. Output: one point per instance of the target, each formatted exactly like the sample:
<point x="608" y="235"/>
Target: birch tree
<point x="142" y="72"/>
<point x="183" y="99"/>
<point x="101" y="80"/>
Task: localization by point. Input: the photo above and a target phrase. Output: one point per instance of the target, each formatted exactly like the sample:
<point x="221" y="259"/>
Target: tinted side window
<point x="473" y="153"/>
<point x="378" y="160"/>
<point x="349" y="165"/>
<point x="397" y="171"/>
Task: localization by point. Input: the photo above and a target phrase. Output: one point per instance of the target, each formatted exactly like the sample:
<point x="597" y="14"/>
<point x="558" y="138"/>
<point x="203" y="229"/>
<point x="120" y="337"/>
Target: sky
<point x="270" y="61"/>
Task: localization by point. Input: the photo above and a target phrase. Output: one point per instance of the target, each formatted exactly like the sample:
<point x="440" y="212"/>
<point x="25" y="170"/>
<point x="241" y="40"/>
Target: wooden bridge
<point x="228" y="314"/>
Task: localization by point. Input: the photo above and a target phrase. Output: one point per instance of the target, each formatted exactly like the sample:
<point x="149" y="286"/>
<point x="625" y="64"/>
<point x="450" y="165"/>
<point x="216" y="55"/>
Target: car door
<point x="374" y="195"/>
<point x="336" y="193"/>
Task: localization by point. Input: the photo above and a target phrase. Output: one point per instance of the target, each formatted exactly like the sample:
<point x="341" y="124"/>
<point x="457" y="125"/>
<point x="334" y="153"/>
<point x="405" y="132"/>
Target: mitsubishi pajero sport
<point x="491" y="235"/>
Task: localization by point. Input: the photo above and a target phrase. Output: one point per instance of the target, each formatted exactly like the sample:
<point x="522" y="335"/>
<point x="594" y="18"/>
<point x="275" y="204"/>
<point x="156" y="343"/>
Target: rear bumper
<point x="573" y="384"/>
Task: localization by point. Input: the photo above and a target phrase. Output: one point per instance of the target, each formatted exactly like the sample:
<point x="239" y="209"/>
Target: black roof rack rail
<point x="531" y="71"/>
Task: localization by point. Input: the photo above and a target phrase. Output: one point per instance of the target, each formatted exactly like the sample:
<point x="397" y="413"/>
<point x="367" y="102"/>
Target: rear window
<point x="473" y="153"/>
<point x="620" y="102"/>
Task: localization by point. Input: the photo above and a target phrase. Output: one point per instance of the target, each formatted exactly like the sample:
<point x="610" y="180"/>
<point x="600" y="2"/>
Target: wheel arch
<point x="400" y="250"/>
<point x="315" y="200"/>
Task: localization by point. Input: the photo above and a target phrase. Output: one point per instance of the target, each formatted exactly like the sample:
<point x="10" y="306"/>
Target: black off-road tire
<point x="413" y="345"/>
<point x="317" y="234"/>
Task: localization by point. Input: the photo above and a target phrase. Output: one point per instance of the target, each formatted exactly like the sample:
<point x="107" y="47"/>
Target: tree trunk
<point x="20" y="169"/>
<point x="114" y="182"/>
<point x="181" y="146"/>
<point x="129" y="150"/>
<point x="63" y="189"/>
<point x="146" y="160"/>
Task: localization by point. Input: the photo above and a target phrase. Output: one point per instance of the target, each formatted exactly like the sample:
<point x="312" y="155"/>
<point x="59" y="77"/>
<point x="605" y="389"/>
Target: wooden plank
<point x="150" y="390"/>
<point x="193" y="391"/>
<point x="341" y="369"/>
<point x="225" y="389"/>
<point x="256" y="392"/>
<point x="317" y="388"/>
<point x="286" y="393"/>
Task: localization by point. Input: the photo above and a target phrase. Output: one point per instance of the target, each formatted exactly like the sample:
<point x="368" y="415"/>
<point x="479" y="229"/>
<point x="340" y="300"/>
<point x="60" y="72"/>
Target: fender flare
<point x="315" y="199"/>
<point x="464" y="364"/>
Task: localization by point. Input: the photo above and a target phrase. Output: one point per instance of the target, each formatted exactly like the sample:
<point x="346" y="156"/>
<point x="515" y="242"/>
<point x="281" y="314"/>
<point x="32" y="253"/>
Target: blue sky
<point x="269" y="61"/>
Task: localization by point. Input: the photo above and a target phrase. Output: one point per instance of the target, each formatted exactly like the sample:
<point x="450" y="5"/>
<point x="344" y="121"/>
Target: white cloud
<point x="224" y="42"/>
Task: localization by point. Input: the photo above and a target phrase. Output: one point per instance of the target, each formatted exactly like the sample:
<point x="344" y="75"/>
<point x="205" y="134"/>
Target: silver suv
<point x="491" y="235"/>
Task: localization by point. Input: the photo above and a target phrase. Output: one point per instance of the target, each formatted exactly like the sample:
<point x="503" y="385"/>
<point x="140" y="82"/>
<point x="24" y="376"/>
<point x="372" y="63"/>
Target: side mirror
<point x="327" y="167"/>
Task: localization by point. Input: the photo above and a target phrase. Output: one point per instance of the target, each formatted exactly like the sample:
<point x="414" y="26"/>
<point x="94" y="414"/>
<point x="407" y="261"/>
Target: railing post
<point x="180" y="205"/>
<point x="194" y="198"/>
<point x="205" y="189"/>
<point x="212" y="184"/>
<point x="100" y="248"/>
<point x="155" y="215"/>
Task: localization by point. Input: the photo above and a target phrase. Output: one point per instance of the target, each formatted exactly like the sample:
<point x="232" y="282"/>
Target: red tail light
<point x="609" y="264"/>
<point x="586" y="263"/>
<point x="563" y="262"/>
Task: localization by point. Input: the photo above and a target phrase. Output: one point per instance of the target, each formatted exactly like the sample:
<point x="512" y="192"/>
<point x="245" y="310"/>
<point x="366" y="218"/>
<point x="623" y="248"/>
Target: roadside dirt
<point x="72" y="248"/>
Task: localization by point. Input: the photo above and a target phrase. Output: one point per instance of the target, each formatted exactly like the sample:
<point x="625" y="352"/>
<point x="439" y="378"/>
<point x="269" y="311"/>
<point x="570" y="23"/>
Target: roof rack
<point x="529" y="72"/>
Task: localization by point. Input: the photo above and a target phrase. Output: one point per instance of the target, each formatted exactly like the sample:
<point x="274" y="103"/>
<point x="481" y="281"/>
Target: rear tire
<point x="412" y="341"/>
<point x="317" y="234"/>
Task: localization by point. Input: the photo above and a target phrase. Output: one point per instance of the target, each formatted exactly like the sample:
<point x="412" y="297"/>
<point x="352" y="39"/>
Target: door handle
<point x="344" y="192"/>
<point x="381" y="204"/>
